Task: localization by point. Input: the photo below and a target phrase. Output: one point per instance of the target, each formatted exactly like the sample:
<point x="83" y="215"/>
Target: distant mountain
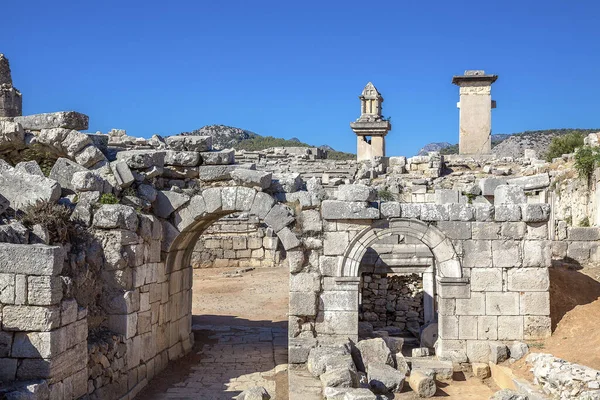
<point x="225" y="137"/>
<point x="513" y="144"/>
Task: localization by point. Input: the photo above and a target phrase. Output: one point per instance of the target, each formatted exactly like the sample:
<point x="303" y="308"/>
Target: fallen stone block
<point x="339" y="377"/>
<point x="210" y="173"/>
<point x="63" y="171"/>
<point x="498" y="352"/>
<point x="372" y="351"/>
<point x="22" y="189"/>
<point x="61" y="119"/>
<point x="506" y="194"/>
<point x="423" y="385"/>
<point x="533" y="182"/>
<point x="384" y="378"/>
<point x="189" y="143"/>
<point x="222" y="157"/>
<point x="443" y="369"/>
<point x="518" y="350"/>
<point x="182" y="158"/>
<point x="29" y="167"/>
<point x="507" y="394"/>
<point x="319" y="358"/>
<point x="356" y="192"/>
<point x="349" y="394"/>
<point x="12" y="135"/>
<point x="420" y="352"/>
<point x="111" y="216"/>
<point x="87" y="181"/>
<point x="480" y="370"/>
<point x="286" y="183"/>
<point x="141" y="159"/>
<point x="122" y="174"/>
<point x="167" y="202"/>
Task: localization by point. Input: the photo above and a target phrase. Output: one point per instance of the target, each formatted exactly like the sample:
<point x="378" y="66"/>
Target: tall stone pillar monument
<point x="475" y="126"/>
<point x="371" y="127"/>
<point x="11" y="102"/>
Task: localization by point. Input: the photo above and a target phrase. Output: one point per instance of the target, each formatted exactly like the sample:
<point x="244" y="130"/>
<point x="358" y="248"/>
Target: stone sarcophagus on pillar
<point x="371" y="127"/>
<point x="475" y="126"/>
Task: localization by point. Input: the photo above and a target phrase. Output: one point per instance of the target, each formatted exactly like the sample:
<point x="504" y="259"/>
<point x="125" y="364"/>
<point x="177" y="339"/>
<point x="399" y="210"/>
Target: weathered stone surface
<point x="356" y="192"/>
<point x="288" y="183"/>
<point x="489" y="185"/>
<point x="507" y="394"/>
<point x="61" y="119"/>
<point x="90" y="156"/>
<point x="221" y="157"/>
<point x="251" y="178"/>
<point x="518" y="350"/>
<point x="12" y="135"/>
<point x="111" y="216"/>
<point x="384" y="378"/>
<point x="210" y="173"/>
<point x="434" y="212"/>
<point x="123" y="174"/>
<point x="189" y="143"/>
<point x="321" y="357"/>
<point x="167" y="202"/>
<point x="339" y="377"/>
<point x="480" y="370"/>
<point x="22" y="189"/>
<point x="29" y="167"/>
<point x="303" y="304"/>
<point x="484" y="212"/>
<point x="289" y="240"/>
<point x="44" y="290"/>
<point x="498" y="352"/>
<point x="423" y="385"/>
<point x="31" y="259"/>
<point x="390" y="209"/>
<point x="443" y="369"/>
<point x="410" y="210"/>
<point x="533" y="182"/>
<point x="507" y="212"/>
<point x="87" y="181"/>
<point x="506" y="194"/>
<point x="279" y="217"/>
<point x="182" y="158"/>
<point x="336" y="209"/>
<point x="63" y="171"/>
<point x="583" y="233"/>
<point x="535" y="212"/>
<point x="372" y="351"/>
<point x="30" y="318"/>
<point x="142" y="159"/>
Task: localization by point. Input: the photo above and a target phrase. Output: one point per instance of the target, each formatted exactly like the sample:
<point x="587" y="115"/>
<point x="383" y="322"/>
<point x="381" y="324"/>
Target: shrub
<point x="586" y="159"/>
<point x="584" y="222"/>
<point x="385" y="195"/>
<point x="54" y="217"/>
<point x="564" y="144"/>
<point x="108" y="198"/>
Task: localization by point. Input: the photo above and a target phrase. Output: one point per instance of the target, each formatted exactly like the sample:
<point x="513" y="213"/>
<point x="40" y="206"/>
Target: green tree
<point x="564" y="144"/>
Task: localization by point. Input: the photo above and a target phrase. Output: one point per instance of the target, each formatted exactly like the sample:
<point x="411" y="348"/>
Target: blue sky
<point x="295" y="68"/>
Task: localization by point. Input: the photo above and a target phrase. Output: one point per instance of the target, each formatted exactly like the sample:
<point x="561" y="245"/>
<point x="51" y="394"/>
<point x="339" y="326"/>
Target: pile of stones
<point x="374" y="367"/>
<point x="564" y="380"/>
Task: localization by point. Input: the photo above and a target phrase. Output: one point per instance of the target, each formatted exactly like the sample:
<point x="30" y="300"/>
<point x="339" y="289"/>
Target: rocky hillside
<point x="437" y="146"/>
<point x="227" y="137"/>
<point x="514" y="144"/>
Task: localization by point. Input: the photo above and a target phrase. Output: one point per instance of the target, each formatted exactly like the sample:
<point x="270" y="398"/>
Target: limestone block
<point x="142" y="159"/>
<point x="31" y="259"/>
<point x="443" y="370"/>
<point x="486" y="279"/>
<point x="125" y="178"/>
<point x="63" y="141"/>
<point x="461" y="212"/>
<point x="261" y="205"/>
<point x="478" y="351"/>
<point x="455" y="229"/>
<point x="289" y="240"/>
<point x="125" y="324"/>
<point x="305" y="282"/>
<point x="535" y="212"/>
<point x="410" y="210"/>
<point x="434" y="212"/>
<point x="182" y="158"/>
<point x="390" y="209"/>
<point x="356" y="192"/>
<point x="484" y="212"/>
<point x="7" y="290"/>
<point x="86" y="181"/>
<point x="487" y="328"/>
<point x="513" y="230"/>
<point x="498" y="352"/>
<point x="384" y="378"/>
<point x="189" y="143"/>
<point x="244" y="198"/>
<point x="489" y="185"/>
<point x="30" y="318"/>
<point x="486" y="230"/>
<point x="532" y="182"/>
<point x="347" y="210"/>
<point x="507" y="212"/>
<point x="279" y="217"/>
<point x="452" y="350"/>
<point x="579" y="251"/>
<point x="506" y="194"/>
<point x="371" y="352"/>
<point x="250" y="178"/>
<point x="311" y="221"/>
<point x="44" y="290"/>
<point x="39" y="344"/>
<point x="111" y="216"/>
<point x="518" y="350"/>
<point x="220" y="157"/>
<point x="480" y="370"/>
<point x="423" y="385"/>
<point x="324" y="356"/>
<point x="29" y="167"/>
<point x="167" y="202"/>
<point x="68" y="311"/>
<point x="211" y="173"/>
<point x="536" y="327"/>
<point x="89" y="156"/>
<point x="335" y="243"/>
<point x="287" y="183"/>
<point x="506" y="254"/>
<point x="22" y="189"/>
<point x="338" y="301"/>
<point x="448" y="327"/>
<point x="446" y="196"/>
<point x="11" y="135"/>
<point x="477" y="254"/>
<point x="63" y="119"/>
<point x="535" y="303"/>
<point x="467" y="327"/>
<point x="528" y="280"/>
<point x="254" y="393"/>
<point x="328" y="265"/>
<point x="583" y="233"/>
<point x="537" y="253"/>
<point x="498" y="303"/>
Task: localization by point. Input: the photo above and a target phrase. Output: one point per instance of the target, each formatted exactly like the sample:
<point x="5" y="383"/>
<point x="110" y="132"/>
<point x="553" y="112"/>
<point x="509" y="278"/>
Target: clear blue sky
<point x="295" y="68"/>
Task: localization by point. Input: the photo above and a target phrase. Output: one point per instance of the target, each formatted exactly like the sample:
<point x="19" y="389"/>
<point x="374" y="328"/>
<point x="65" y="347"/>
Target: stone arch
<point x="207" y="207"/>
<point x="447" y="262"/>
